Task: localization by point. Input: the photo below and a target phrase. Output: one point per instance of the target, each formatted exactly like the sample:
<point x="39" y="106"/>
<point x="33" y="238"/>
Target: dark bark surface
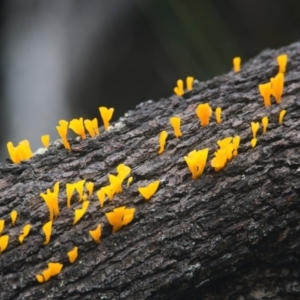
<point x="232" y="234"/>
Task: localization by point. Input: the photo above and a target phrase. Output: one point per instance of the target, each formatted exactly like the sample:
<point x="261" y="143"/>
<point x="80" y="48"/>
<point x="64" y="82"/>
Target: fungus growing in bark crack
<point x="25" y="231"/>
<point x="21" y="152"/>
<point x="253" y="142"/>
<point x="236" y="64"/>
<point x="62" y="130"/>
<point x="265" y="122"/>
<point x="196" y="161"/>
<point x="204" y="112"/>
<point x="77" y="126"/>
<point x="92" y="127"/>
<point x="96" y="234"/>
<point x="2" y="222"/>
<point x="148" y="191"/>
<point x="277" y="84"/>
<point x="218" y="115"/>
<point x="47" y="229"/>
<point x="162" y="141"/>
<point x="101" y="196"/>
<point x="79" y="186"/>
<point x="106" y="115"/>
<point x="281" y="115"/>
<point x="236" y="142"/>
<point x="175" y="122"/>
<point x="52" y="270"/>
<point x="73" y="254"/>
<point x="70" y="187"/>
<point x="282" y="61"/>
<point x="51" y="200"/>
<point x="266" y="91"/>
<point x="120" y="217"/>
<point x="4" y="239"/>
<point x="13" y="217"/>
<point x="90" y="187"/>
<point x="130" y="179"/>
<point x="254" y="128"/>
<point x="79" y="213"/>
<point x="45" y="139"/>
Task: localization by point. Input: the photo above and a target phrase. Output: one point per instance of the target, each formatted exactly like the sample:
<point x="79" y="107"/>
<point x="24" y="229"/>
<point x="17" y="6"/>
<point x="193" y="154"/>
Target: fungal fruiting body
<point x="236" y="142"/>
<point x="52" y="270"/>
<point x="148" y="191"/>
<point x="120" y="217"/>
<point x="21" y="152"/>
<point x="254" y="128"/>
<point x="106" y="115"/>
<point x="90" y="187"/>
<point x="277" y="84"/>
<point x="4" y="239"/>
<point x="281" y="115"/>
<point x="236" y="64"/>
<point x="282" y="61"/>
<point x="265" y="122"/>
<point x="130" y="179"/>
<point x="265" y="91"/>
<point x="196" y="161"/>
<point x="204" y="112"/>
<point x="189" y="83"/>
<point x="178" y="90"/>
<point x="45" y="140"/>
<point x="70" y="187"/>
<point x="77" y="126"/>
<point x="218" y="115"/>
<point x="24" y="233"/>
<point x="162" y="140"/>
<point x="13" y="217"/>
<point x="96" y="234"/>
<point x="2" y="222"/>
<point x="92" y="127"/>
<point x="101" y="196"/>
<point x="253" y="142"/>
<point x="73" y="254"/>
<point x="47" y="229"/>
<point x="79" y="186"/>
<point x="175" y="122"/>
<point x="62" y="130"/>
<point x="79" y="213"/>
<point x="51" y="200"/>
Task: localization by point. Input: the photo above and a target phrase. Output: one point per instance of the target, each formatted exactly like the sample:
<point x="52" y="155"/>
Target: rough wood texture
<point x="232" y="234"/>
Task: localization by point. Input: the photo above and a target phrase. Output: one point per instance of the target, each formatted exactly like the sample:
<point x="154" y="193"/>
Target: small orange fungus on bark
<point x="77" y="126"/>
<point x="281" y="115"/>
<point x="120" y="217"/>
<point x="254" y="128"/>
<point x="2" y="222"/>
<point x="204" y="112"/>
<point x="106" y="115"/>
<point x="175" y="122"/>
<point x="47" y="229"/>
<point x="196" y="161"/>
<point x="236" y="142"/>
<point x="130" y="179"/>
<point x="189" y="83"/>
<point x="265" y="91"/>
<point x="282" y="61"/>
<point x="90" y="187"/>
<point x="148" y="191"/>
<point x="70" y="187"/>
<point x="218" y="115"/>
<point x="4" y="239"/>
<point x="253" y="142"/>
<point x="92" y="127"/>
<point x="21" y="152"/>
<point x="237" y="64"/>
<point x="178" y="90"/>
<point x="24" y="233"/>
<point x="13" y="217"/>
<point x="52" y="270"/>
<point x="45" y="140"/>
<point x="73" y="254"/>
<point x="162" y="140"/>
<point x="265" y="122"/>
<point x="96" y="234"/>
<point x="101" y="196"/>
<point x="78" y="214"/>
<point x="62" y="130"/>
<point x="79" y="186"/>
<point x="277" y="87"/>
<point x="51" y="200"/>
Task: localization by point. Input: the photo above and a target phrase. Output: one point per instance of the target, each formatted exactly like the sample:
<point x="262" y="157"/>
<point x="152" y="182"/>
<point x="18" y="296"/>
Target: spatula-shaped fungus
<point x="77" y="126"/>
<point x="21" y="152"/>
<point x="4" y="239"/>
<point x="218" y="115"/>
<point x="178" y="90"/>
<point x="55" y="268"/>
<point x="282" y="61"/>
<point x="46" y="274"/>
<point x="196" y="161"/>
<point x="189" y="83"/>
<point x="101" y="196"/>
<point x="45" y="140"/>
<point x="277" y="87"/>
<point x="236" y="142"/>
<point x="265" y="91"/>
<point x="148" y="191"/>
<point x="129" y="181"/>
<point x="70" y="187"/>
<point x="51" y="200"/>
<point x="79" y="213"/>
<point x="2" y="222"/>
<point x="119" y="217"/>
<point x="254" y="128"/>
<point x="175" y="122"/>
<point x="62" y="130"/>
<point x="47" y="229"/>
<point x="162" y="140"/>
<point x="281" y="115"/>
<point x="265" y="122"/>
<point x="253" y="142"/>
<point x="220" y="159"/>
<point x="24" y="233"/>
<point x="96" y="234"/>
<point x="73" y="254"/>
<point x="92" y="127"/>
<point x="13" y="217"/>
<point x="90" y="187"/>
<point x="236" y="64"/>
<point x="106" y="115"/>
<point x="79" y="186"/>
<point x="204" y="112"/>
<point x="123" y="170"/>
<point x="115" y="183"/>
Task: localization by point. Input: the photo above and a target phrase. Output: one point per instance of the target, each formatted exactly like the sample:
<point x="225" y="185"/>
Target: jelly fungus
<point x="218" y="115"/>
<point x="45" y="140"/>
<point x="79" y="186"/>
<point x="2" y="222"/>
<point x="13" y="217"/>
<point x="123" y="170"/>
<point x="236" y="64"/>
<point x="77" y="126"/>
<point x="55" y="268"/>
<point x="96" y="234"/>
<point x="236" y="142"/>
<point x="72" y="254"/>
<point x="253" y="142"/>
<point x="265" y="91"/>
<point x="265" y="122"/>
<point x="21" y="152"/>
<point x="47" y="229"/>
<point x="120" y="217"/>
<point x="51" y="200"/>
<point x="109" y="191"/>
<point x="178" y="90"/>
<point x="189" y="83"/>
<point x="39" y="278"/>
<point x="277" y="87"/>
<point x="196" y="161"/>
<point x="101" y="196"/>
<point x="52" y="270"/>
<point x="204" y="112"/>
<point x="63" y="131"/>
<point x="115" y="183"/>
<point x="78" y="214"/>
<point x="282" y="61"/>
<point x="70" y="187"/>
<point x="90" y="187"/>
<point x="130" y="179"/>
<point x="281" y="115"/>
<point x="254" y="128"/>
<point x="92" y="127"/>
<point x="4" y="239"/>
<point x="148" y="191"/>
<point x="106" y="115"/>
<point x="25" y="231"/>
<point x="162" y="140"/>
<point x="175" y="122"/>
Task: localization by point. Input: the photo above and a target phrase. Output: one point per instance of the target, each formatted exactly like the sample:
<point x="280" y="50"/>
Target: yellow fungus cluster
<point x="51" y="200"/>
<point x="79" y="187"/>
<point x="120" y="217"/>
<point x="148" y="191"/>
<point x="236" y="64"/>
<point x="92" y="127"/>
<point x="77" y="126"/>
<point x="196" y="161"/>
<point x="179" y="90"/>
<point x="21" y="152"/>
<point x="52" y="270"/>
<point x="204" y="112"/>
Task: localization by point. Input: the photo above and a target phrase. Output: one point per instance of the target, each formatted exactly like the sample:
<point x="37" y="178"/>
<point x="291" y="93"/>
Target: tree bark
<point x="232" y="234"/>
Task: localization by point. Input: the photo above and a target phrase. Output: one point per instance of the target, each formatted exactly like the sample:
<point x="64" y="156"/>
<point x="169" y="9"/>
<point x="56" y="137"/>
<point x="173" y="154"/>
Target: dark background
<point x="64" y="59"/>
